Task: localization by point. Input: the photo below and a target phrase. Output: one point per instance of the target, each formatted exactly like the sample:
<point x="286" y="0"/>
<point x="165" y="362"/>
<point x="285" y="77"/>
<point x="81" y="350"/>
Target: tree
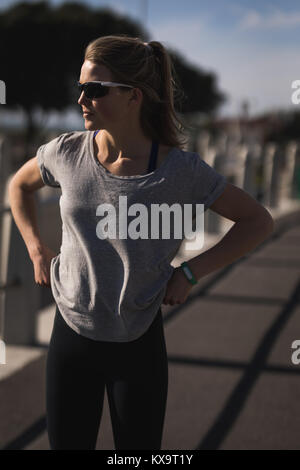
<point x="42" y="49"/>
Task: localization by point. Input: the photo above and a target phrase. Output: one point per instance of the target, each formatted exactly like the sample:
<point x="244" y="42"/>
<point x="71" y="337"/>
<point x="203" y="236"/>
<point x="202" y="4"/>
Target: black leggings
<point x="136" y="377"/>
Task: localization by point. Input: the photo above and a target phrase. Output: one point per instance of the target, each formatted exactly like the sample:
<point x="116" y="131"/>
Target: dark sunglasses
<point x="96" y="89"/>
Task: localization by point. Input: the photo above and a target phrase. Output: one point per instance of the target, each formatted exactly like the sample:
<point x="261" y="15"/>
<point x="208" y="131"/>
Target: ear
<point x="136" y="95"/>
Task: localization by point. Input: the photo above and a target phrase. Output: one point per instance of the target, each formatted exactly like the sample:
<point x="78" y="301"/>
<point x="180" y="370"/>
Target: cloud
<point x="119" y="8"/>
<point x="277" y="19"/>
<point x="263" y="75"/>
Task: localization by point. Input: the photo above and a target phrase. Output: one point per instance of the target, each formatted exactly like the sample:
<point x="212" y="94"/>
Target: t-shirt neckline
<point x="130" y="177"/>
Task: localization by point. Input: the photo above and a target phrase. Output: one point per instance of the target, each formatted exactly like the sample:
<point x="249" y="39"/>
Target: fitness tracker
<point x="188" y="273"/>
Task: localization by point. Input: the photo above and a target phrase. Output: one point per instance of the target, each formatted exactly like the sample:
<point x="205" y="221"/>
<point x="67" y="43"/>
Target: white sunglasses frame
<point x="107" y="84"/>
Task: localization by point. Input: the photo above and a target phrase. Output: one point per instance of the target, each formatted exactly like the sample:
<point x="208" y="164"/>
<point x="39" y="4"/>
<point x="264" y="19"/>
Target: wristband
<point x="188" y="273"/>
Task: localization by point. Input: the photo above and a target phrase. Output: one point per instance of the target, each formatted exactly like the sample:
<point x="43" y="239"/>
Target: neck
<point x="117" y="147"/>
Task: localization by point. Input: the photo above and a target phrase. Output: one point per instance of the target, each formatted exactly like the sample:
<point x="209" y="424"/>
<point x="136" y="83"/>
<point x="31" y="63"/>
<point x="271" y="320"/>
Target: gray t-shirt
<point x="110" y="289"/>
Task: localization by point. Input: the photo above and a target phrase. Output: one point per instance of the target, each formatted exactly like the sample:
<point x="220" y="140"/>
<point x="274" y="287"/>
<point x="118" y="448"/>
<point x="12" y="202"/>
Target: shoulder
<point x="195" y="163"/>
<point x="191" y="158"/>
<point x="183" y="163"/>
<point x="198" y="171"/>
<point x="70" y="141"/>
<point x="187" y="160"/>
<point x="68" y="145"/>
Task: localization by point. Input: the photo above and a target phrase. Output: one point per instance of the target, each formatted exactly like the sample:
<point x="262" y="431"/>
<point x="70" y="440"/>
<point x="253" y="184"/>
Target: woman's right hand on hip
<point x="41" y="263"/>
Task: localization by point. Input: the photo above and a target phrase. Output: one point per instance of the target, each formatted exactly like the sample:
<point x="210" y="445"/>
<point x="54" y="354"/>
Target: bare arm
<point x="253" y="224"/>
<point x="21" y="188"/>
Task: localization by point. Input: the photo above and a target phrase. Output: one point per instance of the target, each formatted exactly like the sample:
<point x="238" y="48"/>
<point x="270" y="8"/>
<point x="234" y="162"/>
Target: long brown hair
<point x="151" y="69"/>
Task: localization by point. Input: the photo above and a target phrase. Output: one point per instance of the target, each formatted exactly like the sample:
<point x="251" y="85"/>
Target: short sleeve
<point x="207" y="183"/>
<point x="47" y="162"/>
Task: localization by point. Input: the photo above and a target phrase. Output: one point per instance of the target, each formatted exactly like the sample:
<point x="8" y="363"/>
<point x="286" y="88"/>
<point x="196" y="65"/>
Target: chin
<point x="90" y="125"/>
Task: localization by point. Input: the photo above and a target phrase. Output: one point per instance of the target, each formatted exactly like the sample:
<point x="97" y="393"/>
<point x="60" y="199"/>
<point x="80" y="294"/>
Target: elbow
<point x="261" y="222"/>
<point x="10" y="191"/>
<point x="11" y="183"/>
<point x="266" y="222"/>
<point x="10" y="186"/>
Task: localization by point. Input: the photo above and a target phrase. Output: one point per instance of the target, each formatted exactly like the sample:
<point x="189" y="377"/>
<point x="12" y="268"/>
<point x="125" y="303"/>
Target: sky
<point x="252" y="46"/>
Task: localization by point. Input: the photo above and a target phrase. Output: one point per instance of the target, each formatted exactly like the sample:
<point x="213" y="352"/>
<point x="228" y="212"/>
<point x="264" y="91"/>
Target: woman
<point x="110" y="277"/>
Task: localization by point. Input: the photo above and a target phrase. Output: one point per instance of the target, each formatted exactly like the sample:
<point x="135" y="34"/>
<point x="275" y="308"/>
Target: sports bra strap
<point x="153" y="157"/>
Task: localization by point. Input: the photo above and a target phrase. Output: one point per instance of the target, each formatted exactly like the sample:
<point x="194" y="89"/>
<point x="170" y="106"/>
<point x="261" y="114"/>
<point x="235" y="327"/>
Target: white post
<point x="268" y="162"/>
